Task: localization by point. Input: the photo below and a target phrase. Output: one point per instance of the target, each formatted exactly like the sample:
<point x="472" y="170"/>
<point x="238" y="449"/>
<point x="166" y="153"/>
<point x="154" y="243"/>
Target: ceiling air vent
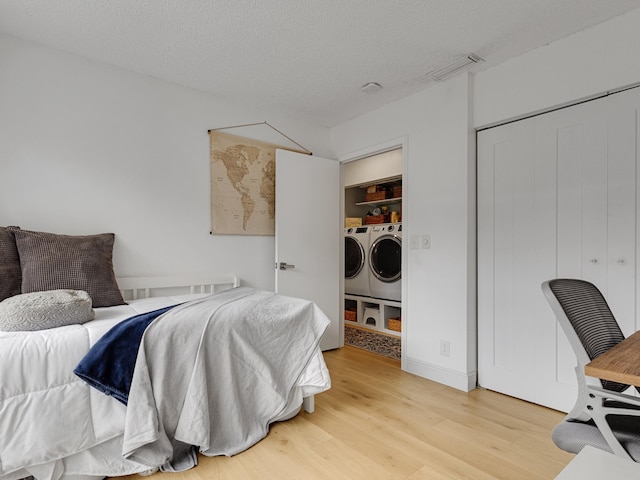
<point x="454" y="68"/>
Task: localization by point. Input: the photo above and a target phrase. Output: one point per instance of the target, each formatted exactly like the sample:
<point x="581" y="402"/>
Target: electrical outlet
<point x="426" y="240"/>
<point x="445" y="348"/>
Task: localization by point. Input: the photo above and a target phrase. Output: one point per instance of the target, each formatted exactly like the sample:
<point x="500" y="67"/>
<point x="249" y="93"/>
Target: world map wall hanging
<point x="243" y="185"/>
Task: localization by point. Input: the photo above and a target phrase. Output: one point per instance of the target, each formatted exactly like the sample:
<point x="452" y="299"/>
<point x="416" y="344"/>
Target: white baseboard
<point x="452" y="378"/>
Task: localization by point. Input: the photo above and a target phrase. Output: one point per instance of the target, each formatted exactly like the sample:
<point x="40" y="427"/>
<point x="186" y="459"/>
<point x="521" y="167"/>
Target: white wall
<point x="88" y="148"/>
<point x="373" y="168"/>
<point x="439" y="199"/>
<point x="588" y="63"/>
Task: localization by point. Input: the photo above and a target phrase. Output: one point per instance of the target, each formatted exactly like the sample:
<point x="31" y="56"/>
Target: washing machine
<point x="356" y="270"/>
<point x="385" y="261"/>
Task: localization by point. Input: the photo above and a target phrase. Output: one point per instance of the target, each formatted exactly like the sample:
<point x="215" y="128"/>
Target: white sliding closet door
<point x="572" y="145"/>
<point x="506" y="258"/>
<point x="556" y="198"/>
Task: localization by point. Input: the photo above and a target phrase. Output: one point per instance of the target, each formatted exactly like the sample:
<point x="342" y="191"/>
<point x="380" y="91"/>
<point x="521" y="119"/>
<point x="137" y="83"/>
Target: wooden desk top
<point x="619" y="364"/>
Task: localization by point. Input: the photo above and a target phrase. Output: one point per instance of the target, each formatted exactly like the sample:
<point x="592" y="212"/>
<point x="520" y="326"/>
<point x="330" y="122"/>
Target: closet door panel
<point x="505" y="240"/>
<point x="486" y="255"/>
<point x="577" y="135"/>
<point x="565" y="144"/>
<point x="572" y="142"/>
<point x="547" y="352"/>
<point x="514" y="241"/>
<point x="623" y="128"/>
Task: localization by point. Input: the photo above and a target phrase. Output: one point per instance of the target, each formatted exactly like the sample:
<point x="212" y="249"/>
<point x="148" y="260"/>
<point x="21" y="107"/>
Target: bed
<point x="217" y="366"/>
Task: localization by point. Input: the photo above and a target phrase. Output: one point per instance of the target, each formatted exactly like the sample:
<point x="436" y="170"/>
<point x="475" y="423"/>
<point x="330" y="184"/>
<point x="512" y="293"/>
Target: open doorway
<point x="373" y="253"/>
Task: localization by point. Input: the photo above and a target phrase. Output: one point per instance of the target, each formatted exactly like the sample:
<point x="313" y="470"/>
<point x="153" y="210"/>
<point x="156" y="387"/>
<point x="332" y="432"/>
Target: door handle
<point x="286" y="266"/>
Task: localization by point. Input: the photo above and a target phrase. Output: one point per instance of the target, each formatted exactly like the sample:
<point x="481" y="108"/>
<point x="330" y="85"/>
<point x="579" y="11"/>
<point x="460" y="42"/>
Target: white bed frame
<point x="133" y="288"/>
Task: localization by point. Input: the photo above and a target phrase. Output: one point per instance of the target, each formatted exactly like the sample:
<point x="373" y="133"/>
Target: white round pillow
<point x="43" y="310"/>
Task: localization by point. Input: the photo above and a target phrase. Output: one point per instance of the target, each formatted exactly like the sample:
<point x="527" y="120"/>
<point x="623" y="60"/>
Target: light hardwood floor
<point x="378" y="422"/>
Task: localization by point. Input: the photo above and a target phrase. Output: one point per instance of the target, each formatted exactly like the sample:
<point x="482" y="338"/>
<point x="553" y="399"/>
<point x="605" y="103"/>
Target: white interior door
<point x="308" y="234"/>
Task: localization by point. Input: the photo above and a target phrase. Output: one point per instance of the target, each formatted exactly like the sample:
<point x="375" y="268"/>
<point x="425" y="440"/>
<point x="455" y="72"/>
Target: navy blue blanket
<point x="108" y="365"/>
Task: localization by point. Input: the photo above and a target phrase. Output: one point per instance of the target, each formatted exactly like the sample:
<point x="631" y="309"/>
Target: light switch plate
<point x="414" y="241"/>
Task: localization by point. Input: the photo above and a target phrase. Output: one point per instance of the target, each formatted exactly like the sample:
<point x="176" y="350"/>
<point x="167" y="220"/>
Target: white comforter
<point x="51" y="422"/>
<point x="217" y="372"/>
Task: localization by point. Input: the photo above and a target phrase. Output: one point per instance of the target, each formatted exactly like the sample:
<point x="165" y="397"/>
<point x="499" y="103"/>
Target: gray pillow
<point x="42" y="310"/>
<point x="77" y="262"/>
<point x="10" y="274"/>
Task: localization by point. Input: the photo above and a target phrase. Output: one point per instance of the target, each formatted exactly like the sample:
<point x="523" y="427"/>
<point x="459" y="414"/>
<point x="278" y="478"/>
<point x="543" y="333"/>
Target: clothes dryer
<point x="385" y="261"/>
<point x="356" y="271"/>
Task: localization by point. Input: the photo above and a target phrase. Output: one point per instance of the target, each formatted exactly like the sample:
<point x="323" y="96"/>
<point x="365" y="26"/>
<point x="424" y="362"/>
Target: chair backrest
<point x="586" y="319"/>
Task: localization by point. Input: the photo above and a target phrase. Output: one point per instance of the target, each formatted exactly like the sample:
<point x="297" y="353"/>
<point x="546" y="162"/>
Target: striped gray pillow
<point x="77" y="262"/>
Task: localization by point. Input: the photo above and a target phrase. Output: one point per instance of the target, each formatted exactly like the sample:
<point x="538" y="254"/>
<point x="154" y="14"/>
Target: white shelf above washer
<point x="380" y="202"/>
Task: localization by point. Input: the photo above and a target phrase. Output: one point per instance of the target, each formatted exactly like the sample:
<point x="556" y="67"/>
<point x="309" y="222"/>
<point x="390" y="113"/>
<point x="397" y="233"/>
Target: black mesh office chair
<point x="603" y="416"/>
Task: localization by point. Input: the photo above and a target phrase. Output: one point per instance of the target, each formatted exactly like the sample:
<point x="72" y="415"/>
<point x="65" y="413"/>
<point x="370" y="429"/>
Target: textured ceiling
<point x="306" y="58"/>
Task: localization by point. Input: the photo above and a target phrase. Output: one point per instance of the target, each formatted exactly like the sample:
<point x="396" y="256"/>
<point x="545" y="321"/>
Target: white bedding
<point x="242" y="354"/>
<point x="51" y="422"/>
